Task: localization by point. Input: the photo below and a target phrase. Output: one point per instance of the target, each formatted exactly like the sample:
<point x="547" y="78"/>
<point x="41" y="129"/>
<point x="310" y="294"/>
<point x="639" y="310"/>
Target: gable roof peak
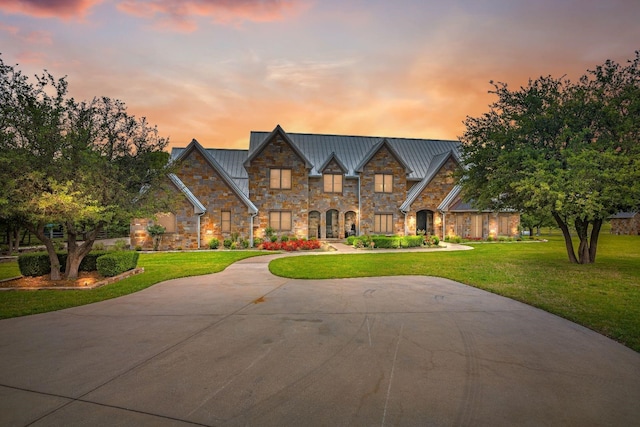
<point x="278" y="131"/>
<point x="384" y="142"/>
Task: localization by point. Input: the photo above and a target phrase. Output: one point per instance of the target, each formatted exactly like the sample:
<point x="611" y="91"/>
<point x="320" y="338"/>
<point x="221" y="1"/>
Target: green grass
<point x="604" y="296"/>
<point x="9" y="270"/>
<point x="158" y="267"/>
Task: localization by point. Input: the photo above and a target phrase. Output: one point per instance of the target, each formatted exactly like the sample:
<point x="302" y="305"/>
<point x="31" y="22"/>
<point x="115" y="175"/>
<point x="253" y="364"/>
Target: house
<point x="625" y="223"/>
<point x="319" y="186"/>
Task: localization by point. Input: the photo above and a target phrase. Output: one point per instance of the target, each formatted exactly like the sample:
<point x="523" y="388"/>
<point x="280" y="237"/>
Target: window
<point x="503" y="226"/>
<point x="280" y="179"/>
<point x="383" y="183"/>
<point x="280" y="221"/>
<point x="332" y="183"/>
<point x="225" y="221"/>
<point x="167" y="220"/>
<point x="476" y="226"/>
<point x="383" y="223"/>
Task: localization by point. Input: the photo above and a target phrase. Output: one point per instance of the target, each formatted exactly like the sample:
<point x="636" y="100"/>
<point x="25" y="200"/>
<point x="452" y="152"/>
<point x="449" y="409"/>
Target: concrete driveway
<point x="243" y="347"/>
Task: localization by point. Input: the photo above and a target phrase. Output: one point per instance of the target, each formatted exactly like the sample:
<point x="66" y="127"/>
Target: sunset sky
<point x="214" y="70"/>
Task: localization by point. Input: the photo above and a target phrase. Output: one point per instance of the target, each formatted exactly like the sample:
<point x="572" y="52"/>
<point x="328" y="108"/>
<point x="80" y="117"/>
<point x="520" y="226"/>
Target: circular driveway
<point x="243" y="347"/>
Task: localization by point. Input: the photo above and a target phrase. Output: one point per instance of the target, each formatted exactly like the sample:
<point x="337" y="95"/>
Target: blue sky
<point x="216" y="69"/>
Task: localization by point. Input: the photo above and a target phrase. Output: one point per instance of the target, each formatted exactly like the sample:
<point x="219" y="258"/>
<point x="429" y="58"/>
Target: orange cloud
<point x="64" y="9"/>
<point x="181" y="15"/>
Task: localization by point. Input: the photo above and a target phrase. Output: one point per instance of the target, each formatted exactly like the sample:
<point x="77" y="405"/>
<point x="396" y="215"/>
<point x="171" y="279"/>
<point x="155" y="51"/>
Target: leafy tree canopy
<point x="80" y="164"/>
<point x="571" y="149"/>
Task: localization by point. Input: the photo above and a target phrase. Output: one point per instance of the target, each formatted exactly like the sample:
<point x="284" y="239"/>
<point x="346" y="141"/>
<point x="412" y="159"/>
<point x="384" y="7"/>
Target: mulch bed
<point x="85" y="280"/>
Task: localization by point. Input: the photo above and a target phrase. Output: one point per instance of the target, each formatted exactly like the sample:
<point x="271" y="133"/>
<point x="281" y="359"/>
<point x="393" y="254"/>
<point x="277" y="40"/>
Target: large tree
<point x="79" y="164"/>
<point x="569" y="148"/>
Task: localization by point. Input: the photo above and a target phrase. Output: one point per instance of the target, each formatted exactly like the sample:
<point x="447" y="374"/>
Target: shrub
<point x="214" y="243"/>
<point x="350" y="240"/>
<point x="273" y="238"/>
<point x="234" y="245"/>
<point x="89" y="262"/>
<point x="98" y="246"/>
<point x="34" y="264"/>
<point x="435" y="240"/>
<point x="257" y="241"/>
<point x="227" y="243"/>
<point x="38" y="264"/>
<point x="284" y="239"/>
<point x="138" y="248"/>
<point x="244" y="243"/>
<point x="118" y="245"/>
<point x="115" y="263"/>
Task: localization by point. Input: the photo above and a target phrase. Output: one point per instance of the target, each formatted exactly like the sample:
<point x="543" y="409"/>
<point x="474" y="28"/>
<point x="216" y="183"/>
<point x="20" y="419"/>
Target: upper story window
<point x="280" y="179"/>
<point x="225" y="221"/>
<point x="332" y="183"/>
<point x="383" y="183"/>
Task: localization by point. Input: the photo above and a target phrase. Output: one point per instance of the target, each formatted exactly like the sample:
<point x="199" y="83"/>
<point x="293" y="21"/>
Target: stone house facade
<point x="626" y="223"/>
<point x="319" y="186"/>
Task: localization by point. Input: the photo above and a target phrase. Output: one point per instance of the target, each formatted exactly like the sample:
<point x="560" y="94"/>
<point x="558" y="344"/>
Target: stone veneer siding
<point x="346" y="201"/>
<point x="382" y="203"/>
<point x="278" y="154"/>
<point x="629" y="226"/>
<point x="460" y="223"/>
<point x="216" y="196"/>
<point x="431" y="197"/>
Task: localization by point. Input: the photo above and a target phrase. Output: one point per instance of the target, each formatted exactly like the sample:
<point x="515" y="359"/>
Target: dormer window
<point x="332" y="183"/>
<point x="280" y="179"/>
<point x="383" y="183"/>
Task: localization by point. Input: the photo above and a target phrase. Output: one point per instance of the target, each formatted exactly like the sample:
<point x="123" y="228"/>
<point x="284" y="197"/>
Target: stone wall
<point x="629" y="226"/>
<point x="431" y="197"/>
<point x="277" y="153"/>
<point x="346" y="201"/>
<point x="462" y="224"/>
<point x="382" y="203"/>
<point x="214" y="193"/>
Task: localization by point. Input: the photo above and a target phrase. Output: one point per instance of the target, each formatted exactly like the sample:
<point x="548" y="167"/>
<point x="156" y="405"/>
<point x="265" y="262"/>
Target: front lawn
<point x="157" y="268"/>
<point x="604" y="296"/>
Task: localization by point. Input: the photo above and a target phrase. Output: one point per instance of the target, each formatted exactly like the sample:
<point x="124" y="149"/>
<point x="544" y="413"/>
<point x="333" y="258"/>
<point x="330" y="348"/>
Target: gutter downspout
<point x="406" y="228"/>
<point x="199" y="216"/>
<point x="253" y="215"/>
<point x="359" y="206"/>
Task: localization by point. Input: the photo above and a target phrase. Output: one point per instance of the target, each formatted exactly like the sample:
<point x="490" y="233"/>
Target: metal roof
<point x="198" y="207"/>
<point x="235" y="184"/>
<point x="417" y="154"/>
<point x="623" y="215"/>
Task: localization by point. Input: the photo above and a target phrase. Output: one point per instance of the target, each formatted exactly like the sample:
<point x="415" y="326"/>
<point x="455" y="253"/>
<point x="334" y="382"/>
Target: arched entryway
<point x="350" y="227"/>
<point x="424" y="221"/>
<point x="314" y="224"/>
<point x="332" y="224"/>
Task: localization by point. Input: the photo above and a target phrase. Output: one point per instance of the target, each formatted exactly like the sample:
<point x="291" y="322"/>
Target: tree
<point x="568" y="148"/>
<point x="80" y="164"/>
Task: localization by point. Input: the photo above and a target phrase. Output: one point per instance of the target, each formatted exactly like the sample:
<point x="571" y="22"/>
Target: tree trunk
<point x="16" y="240"/>
<point x="582" y="227"/>
<point x="595" y="233"/>
<point x="567" y="237"/>
<point x="9" y="240"/>
<point x="76" y="253"/>
<point x="38" y="230"/>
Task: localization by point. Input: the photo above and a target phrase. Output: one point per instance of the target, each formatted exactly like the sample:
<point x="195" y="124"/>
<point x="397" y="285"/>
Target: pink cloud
<point x="33" y="38"/>
<point x="181" y="15"/>
<point x="64" y="9"/>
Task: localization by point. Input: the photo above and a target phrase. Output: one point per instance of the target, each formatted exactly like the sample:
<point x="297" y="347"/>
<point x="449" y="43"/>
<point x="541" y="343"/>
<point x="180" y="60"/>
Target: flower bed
<point x="291" y="245"/>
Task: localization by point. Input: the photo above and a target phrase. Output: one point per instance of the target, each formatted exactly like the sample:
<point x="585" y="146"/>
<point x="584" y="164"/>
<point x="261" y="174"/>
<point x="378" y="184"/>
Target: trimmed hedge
<point x="386" y="242"/>
<point x="115" y="263"/>
<point x="34" y="264"/>
<point x="38" y="264"/>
